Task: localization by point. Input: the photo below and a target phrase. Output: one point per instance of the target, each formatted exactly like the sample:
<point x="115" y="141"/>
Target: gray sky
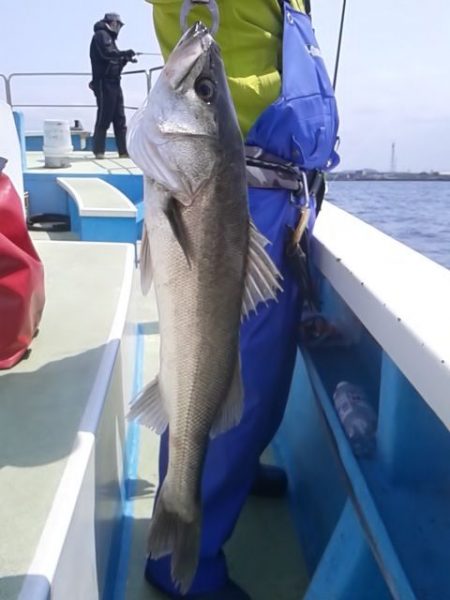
<point x="394" y="80"/>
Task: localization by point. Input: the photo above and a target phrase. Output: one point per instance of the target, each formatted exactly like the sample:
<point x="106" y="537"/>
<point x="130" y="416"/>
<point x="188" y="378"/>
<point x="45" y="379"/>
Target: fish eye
<point x="205" y="89"/>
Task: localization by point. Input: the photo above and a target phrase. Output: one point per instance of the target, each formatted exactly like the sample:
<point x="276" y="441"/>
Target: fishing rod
<point x="147" y="54"/>
<point x="338" y="53"/>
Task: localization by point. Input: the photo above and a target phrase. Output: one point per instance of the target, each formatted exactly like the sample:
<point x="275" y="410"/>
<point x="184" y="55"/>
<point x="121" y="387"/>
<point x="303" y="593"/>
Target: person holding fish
<point x="223" y="223"/>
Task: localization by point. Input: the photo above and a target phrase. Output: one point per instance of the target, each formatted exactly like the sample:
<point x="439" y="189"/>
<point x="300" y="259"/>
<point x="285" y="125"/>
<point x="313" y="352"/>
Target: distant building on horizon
<point x="393" y="168"/>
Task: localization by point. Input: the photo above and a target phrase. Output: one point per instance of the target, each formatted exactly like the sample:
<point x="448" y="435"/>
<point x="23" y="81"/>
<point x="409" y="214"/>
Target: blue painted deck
<point x="46" y="196"/>
<point x="35" y="142"/>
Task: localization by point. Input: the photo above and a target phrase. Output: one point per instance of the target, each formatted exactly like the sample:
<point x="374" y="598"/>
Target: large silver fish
<point x="209" y="268"/>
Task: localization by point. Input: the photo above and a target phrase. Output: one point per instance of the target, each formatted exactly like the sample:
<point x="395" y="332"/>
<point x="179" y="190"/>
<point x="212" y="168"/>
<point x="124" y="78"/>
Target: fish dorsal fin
<point x="145" y="263"/>
<point x="148" y="408"/>
<point x="262" y="276"/>
<point x="230" y="412"/>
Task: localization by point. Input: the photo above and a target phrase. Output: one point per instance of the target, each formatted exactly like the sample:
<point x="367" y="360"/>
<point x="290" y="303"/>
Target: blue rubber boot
<point x="230" y="591"/>
<point x="270" y="482"/>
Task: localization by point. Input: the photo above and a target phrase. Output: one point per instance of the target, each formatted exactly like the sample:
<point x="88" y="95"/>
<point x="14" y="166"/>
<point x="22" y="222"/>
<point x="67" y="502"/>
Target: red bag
<point x="22" y="294"/>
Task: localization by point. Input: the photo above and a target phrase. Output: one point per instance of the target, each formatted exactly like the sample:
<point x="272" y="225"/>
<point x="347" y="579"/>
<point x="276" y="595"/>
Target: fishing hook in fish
<point x="211" y="5"/>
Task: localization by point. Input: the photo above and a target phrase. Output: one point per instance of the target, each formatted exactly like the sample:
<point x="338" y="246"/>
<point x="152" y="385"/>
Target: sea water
<point x="416" y="213"/>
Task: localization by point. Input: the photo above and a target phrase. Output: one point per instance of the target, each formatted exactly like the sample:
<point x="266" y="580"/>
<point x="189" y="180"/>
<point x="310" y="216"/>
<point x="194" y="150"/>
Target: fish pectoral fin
<point x="148" y="408"/>
<point x="173" y="214"/>
<point x="262" y="277"/>
<point x="145" y="263"/>
<point x="230" y="412"/>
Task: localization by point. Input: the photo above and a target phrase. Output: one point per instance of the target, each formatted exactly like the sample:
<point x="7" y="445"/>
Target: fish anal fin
<point x="148" y="408"/>
<point x="230" y="413"/>
<point x="262" y="276"/>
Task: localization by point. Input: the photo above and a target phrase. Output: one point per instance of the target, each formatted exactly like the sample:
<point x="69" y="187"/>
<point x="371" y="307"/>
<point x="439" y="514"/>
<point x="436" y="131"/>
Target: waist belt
<point x="266" y="170"/>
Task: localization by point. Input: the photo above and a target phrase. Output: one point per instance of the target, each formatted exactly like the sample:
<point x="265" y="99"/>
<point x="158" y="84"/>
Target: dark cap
<point x="113" y="17"/>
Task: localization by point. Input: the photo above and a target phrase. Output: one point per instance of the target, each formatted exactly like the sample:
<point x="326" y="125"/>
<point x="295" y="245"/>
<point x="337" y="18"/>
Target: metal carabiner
<point x="188" y="5"/>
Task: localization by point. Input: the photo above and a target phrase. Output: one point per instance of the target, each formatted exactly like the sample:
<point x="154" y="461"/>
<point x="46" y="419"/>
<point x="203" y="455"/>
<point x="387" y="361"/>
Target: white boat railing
<point x="8" y="81"/>
<point x="6" y="88"/>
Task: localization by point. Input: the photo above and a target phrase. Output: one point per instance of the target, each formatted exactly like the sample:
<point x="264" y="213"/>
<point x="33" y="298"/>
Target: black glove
<point x="129" y="54"/>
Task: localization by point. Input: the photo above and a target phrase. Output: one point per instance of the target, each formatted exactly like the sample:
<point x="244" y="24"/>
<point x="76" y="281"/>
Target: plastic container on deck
<point x="57" y="144"/>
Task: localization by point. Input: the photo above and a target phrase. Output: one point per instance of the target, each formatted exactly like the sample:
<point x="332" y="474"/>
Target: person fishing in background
<point x="107" y="63"/>
<point x="288" y="118"/>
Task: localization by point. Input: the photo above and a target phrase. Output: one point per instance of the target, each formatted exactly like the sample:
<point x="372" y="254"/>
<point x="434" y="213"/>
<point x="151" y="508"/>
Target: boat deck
<point x="84" y="163"/>
<point x="43" y="401"/>
<point x="45" y="395"/>
<point x="263" y="555"/>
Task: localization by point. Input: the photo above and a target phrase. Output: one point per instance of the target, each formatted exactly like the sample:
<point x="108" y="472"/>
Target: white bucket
<point x="57" y="143"/>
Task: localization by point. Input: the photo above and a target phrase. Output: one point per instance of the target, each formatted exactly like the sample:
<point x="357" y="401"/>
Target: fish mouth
<point x="193" y="46"/>
<point x="199" y="29"/>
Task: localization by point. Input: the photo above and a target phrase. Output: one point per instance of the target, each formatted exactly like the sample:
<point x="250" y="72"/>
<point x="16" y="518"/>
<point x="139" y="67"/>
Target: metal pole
<point x="8" y="92"/>
<point x="7" y="88"/>
<point x="66" y="106"/>
<point x="150" y="75"/>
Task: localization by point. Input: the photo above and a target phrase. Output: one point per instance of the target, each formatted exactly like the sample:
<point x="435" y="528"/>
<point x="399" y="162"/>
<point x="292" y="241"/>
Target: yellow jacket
<point x="250" y="38"/>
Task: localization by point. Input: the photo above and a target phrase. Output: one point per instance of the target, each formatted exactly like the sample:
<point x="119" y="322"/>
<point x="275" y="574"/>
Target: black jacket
<point x="106" y="59"/>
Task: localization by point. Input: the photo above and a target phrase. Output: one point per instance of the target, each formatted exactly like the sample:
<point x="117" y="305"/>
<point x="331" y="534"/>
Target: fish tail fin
<point x="171" y="534"/>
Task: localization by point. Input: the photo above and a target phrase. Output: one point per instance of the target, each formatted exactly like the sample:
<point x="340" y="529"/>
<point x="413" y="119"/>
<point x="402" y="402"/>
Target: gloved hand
<point x="130" y="54"/>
